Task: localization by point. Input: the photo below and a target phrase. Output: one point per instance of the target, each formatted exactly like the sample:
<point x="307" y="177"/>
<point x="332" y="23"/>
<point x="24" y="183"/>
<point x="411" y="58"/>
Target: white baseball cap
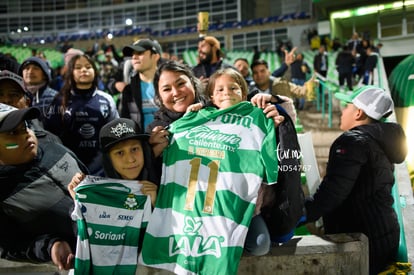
<point x="374" y="101"/>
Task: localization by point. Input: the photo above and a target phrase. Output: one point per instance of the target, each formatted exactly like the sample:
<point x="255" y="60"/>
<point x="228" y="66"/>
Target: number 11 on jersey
<point x="211" y="186"/>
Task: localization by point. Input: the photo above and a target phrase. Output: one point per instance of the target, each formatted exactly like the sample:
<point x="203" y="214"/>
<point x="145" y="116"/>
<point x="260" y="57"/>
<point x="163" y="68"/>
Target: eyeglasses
<point x="19" y="130"/>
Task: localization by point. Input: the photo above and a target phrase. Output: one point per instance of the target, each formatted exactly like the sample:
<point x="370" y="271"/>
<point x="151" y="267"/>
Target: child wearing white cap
<point x="355" y="195"/>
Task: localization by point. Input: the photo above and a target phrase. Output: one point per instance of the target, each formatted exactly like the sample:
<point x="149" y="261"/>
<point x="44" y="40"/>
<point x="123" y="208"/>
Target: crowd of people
<point x="51" y="139"/>
<point x="355" y="61"/>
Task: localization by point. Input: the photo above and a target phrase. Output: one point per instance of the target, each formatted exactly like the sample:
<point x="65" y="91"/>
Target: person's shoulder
<point x="42" y="134"/>
<point x="56" y="151"/>
<point x="49" y="91"/>
<point x="57" y="99"/>
<point x="52" y="153"/>
<point x="225" y="65"/>
<point x="275" y="80"/>
<point x="196" y="66"/>
<point x="134" y="82"/>
<point x="47" y="145"/>
<point x="48" y="95"/>
<point x="127" y="88"/>
<point x="104" y="95"/>
<point x="350" y="145"/>
<point x="355" y="137"/>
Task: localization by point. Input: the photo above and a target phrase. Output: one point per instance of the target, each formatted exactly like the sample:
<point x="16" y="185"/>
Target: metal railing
<point x="380" y="80"/>
<point x="328" y="88"/>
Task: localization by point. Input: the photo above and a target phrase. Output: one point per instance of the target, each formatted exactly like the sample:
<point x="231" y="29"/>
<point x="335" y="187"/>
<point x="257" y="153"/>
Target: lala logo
<point x="192" y="244"/>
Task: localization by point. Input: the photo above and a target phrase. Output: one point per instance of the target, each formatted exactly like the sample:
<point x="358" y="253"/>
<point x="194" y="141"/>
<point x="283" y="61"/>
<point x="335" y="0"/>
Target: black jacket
<point x="279" y="72"/>
<point x="370" y="62"/>
<point x="355" y="195"/>
<point x="131" y="104"/>
<point x="344" y="62"/>
<point x="35" y="204"/>
<point x="317" y="63"/>
<point x="206" y="70"/>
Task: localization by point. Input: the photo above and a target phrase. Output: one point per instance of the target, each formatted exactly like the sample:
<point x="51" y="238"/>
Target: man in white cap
<point x="35" y="204"/>
<point x="355" y="195"/>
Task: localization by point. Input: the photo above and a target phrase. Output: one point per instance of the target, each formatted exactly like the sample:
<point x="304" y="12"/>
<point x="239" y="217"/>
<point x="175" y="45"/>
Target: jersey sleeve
<point x="269" y="154"/>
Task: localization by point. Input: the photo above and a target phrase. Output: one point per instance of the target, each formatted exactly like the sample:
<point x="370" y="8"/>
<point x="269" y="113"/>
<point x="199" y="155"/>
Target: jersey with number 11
<point x="212" y="171"/>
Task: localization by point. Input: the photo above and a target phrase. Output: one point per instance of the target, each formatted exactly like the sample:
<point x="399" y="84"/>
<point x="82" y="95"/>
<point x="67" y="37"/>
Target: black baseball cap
<point x="142" y="45"/>
<point x="119" y="129"/>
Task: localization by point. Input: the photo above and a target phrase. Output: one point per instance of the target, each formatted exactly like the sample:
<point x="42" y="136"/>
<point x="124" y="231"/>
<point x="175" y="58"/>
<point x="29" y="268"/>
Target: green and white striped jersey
<point x="110" y="215"/>
<point x="212" y="171"/>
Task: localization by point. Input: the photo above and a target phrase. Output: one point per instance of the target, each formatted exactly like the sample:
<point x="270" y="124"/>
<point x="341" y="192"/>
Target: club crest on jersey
<point x="104" y="110"/>
<point x="131" y="202"/>
<point x="192" y="244"/>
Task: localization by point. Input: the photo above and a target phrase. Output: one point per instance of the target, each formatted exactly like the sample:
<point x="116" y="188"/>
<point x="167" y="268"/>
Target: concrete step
<point x="313" y="119"/>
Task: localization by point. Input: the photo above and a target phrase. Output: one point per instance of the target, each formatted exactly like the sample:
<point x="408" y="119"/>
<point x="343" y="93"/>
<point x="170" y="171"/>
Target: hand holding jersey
<point x="204" y="168"/>
<point x="111" y="215"/>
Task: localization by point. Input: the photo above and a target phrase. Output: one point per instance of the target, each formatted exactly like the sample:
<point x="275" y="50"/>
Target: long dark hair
<point x="70" y="83"/>
<point x="174" y="66"/>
